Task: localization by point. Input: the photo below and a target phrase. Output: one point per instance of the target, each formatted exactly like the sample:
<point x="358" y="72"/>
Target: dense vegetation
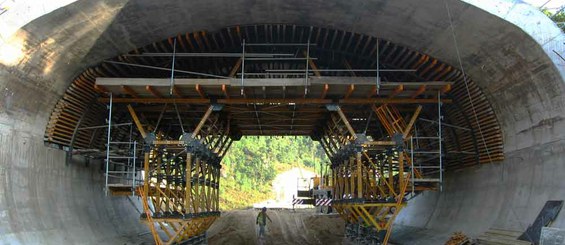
<point x="558" y="18"/>
<point x="252" y="163"/>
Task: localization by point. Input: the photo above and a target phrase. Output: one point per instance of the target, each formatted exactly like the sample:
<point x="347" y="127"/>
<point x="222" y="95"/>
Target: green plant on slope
<point x="252" y="163"/>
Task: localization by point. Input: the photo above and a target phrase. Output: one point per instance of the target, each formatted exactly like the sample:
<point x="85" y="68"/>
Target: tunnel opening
<point x="265" y="169"/>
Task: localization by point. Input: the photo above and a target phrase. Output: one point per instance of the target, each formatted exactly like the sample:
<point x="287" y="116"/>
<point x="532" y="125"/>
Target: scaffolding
<point x="427" y="148"/>
<point x="120" y="164"/>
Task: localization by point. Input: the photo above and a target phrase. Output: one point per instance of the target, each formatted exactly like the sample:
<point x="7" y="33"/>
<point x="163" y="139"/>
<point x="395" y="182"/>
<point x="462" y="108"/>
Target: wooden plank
<point x="325" y="91"/>
<point x="154" y="92"/>
<point x="418" y="92"/>
<point x="349" y="91"/>
<point x="488" y="240"/>
<point x="200" y="91"/>
<point x="130" y="91"/>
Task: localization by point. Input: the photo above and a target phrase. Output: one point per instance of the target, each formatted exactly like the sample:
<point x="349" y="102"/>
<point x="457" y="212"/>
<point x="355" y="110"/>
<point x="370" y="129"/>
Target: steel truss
<point x="180" y="191"/>
<point x="370" y="178"/>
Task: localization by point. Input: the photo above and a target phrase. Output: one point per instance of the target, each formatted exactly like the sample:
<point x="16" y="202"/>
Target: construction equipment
<point x="315" y="191"/>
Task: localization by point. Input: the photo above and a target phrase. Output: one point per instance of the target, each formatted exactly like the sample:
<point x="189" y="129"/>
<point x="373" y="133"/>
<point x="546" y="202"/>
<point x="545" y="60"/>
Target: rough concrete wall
<point x="43" y="201"/>
<point x="526" y="89"/>
<point x="506" y="195"/>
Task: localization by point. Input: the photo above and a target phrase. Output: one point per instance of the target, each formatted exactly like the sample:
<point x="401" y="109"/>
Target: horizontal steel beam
<point x="260" y="82"/>
<point x="276" y="132"/>
<point x="208" y="55"/>
<point x="242" y="101"/>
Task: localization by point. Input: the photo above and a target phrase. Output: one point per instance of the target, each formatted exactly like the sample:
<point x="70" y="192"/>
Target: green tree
<point x="252" y="163"/>
<point x="558" y="18"/>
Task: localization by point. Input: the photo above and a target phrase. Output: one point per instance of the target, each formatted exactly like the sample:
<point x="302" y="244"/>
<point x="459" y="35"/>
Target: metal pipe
<point x="108" y="144"/>
<point x="105" y="126"/>
<point x="378" y="74"/>
<point x="164" y="69"/>
<point x="368" y="121"/>
<point x="444" y="124"/>
<point x="307" y="67"/>
<point x="268" y="73"/>
<point x="328" y="70"/>
<point x="242" y="65"/>
<point x="178" y="116"/>
<point x="282" y="58"/>
<point x="173" y="69"/>
<point x="439" y="117"/>
<point x="426" y="152"/>
<point x="209" y="55"/>
<point x="412" y="162"/>
<point x="133" y="168"/>
<point x="160" y="115"/>
<point x="281" y="44"/>
<point x="430" y="138"/>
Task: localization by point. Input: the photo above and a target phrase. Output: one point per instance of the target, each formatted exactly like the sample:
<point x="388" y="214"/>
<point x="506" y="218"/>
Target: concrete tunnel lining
<point x="517" y="71"/>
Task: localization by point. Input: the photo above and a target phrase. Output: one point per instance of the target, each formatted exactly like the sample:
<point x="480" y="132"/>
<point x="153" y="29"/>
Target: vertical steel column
<point x="307" y="68"/>
<point x="173" y="68"/>
<point x="412" y="162"/>
<point x="188" y="178"/>
<point x="359" y="175"/>
<point x="440" y="140"/>
<point x="378" y="75"/>
<point x="133" y="168"/>
<point x="401" y="182"/>
<point x="108" y="145"/>
<point x="242" y="65"/>
<point x="146" y="174"/>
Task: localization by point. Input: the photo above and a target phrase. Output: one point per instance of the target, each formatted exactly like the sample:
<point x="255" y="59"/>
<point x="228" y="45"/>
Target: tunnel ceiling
<point x="287" y="107"/>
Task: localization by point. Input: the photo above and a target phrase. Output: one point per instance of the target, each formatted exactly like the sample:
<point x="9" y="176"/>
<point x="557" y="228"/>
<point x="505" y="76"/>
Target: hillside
<point x="252" y="163"/>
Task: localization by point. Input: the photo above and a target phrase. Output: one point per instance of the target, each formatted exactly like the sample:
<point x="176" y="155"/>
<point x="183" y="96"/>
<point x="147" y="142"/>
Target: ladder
<point x="120" y="163"/>
<point x="429" y="157"/>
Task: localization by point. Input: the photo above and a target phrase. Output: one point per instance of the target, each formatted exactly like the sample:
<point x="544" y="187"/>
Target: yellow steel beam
<point x="346" y="122"/>
<point x="136" y="121"/>
<point x="202" y="121"/>
<point x="359" y="175"/>
<point x="412" y="121"/>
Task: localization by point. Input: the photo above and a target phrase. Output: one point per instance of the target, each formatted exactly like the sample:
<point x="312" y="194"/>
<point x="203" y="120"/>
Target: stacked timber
<point x="458" y="238"/>
<point x="501" y="237"/>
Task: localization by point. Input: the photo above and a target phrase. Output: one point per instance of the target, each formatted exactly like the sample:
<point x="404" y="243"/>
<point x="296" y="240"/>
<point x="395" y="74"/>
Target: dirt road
<point x="288" y="227"/>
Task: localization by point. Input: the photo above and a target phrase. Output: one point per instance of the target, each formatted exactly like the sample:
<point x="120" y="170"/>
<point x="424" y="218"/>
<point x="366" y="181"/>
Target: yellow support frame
<point x="182" y="211"/>
<point x="369" y="190"/>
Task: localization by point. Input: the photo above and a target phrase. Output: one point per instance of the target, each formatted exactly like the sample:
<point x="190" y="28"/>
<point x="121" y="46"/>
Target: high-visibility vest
<point x="262" y="218"/>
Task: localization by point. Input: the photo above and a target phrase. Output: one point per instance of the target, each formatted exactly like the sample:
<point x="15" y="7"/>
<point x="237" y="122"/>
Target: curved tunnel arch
<point x="334" y="48"/>
<point x="520" y="77"/>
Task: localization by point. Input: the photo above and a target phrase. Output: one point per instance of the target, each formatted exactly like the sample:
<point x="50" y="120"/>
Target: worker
<point x="262" y="221"/>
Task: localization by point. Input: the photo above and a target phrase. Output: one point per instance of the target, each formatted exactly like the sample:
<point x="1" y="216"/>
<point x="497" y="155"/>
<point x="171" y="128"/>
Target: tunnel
<point x="343" y="73"/>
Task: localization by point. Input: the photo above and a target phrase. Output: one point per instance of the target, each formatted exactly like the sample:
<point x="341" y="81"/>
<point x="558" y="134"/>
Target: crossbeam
<point x="260" y="82"/>
<point x="243" y="101"/>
